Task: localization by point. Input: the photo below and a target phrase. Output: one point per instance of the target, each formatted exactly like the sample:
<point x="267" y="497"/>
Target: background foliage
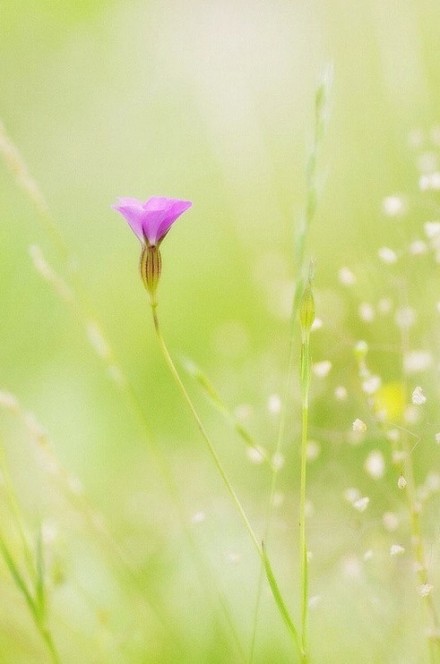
<point x="213" y="102"/>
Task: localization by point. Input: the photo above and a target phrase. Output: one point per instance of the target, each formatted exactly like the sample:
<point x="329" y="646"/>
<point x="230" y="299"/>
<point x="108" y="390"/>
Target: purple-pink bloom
<point x="151" y="220"/>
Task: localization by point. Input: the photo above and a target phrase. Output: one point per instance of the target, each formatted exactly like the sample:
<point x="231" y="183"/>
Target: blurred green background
<point x="212" y="102"/>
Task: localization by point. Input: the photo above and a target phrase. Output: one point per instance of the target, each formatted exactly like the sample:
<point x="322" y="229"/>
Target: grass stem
<point x="218" y="464"/>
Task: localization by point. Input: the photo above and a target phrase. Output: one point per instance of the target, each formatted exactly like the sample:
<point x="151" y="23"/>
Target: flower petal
<point x="172" y="209"/>
<point x="151" y="220"/>
<point x="133" y="211"/>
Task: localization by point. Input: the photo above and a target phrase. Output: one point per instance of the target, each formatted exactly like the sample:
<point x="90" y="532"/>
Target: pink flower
<point x="151" y="220"/>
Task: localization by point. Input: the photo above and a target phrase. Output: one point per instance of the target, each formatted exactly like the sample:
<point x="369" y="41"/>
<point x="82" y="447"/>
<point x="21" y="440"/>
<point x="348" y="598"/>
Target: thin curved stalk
<point x="280" y="603"/>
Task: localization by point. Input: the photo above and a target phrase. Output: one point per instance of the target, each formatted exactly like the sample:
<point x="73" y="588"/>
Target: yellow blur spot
<point x="390" y="401"/>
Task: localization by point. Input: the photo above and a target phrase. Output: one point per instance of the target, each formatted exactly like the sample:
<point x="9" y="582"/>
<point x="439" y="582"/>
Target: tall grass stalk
<point x="200" y="426"/>
<point x="414" y="508"/>
<point x="32" y="599"/>
<point x="18" y="167"/>
<point x="31" y="583"/>
<point x="403" y="459"/>
<point x="302" y="233"/>
<point x="14" y="508"/>
<point x="432" y="625"/>
<point x="306" y="316"/>
<point x="279" y="601"/>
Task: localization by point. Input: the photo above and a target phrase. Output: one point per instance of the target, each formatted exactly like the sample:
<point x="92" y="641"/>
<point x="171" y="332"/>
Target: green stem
<point x="259" y="547"/>
<point x="34" y="609"/>
<point x="302" y="535"/>
<point x="418" y="548"/>
<point x="305" y="384"/>
<point x="301" y="239"/>
<point x="213" y="453"/>
<point x="50" y="645"/>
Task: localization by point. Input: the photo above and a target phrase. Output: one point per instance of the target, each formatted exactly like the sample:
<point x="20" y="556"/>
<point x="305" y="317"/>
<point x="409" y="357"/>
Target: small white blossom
<point x="352" y="567"/>
<point x="313" y="450"/>
<point x="393" y="206"/>
<point x="405" y="317"/>
<point x="416" y="138"/>
<point x="418" y="248"/>
<point x="433" y="482"/>
<point x="49" y="532"/>
<point x="278" y="499"/>
<point x="390" y="521"/>
<point x="361" y="504"/>
<point x="314" y="601"/>
<point x="233" y="557"/>
<point x="393" y="435"/>
<point x="256" y="454"/>
<point x="346" y="276"/>
<point x="375" y="464"/>
<point x="322" y="369"/>
<point x="429" y="181"/>
<point x="277" y="461"/>
<point x="425" y="589"/>
<point x="317" y="324"/>
<point x="274" y="404"/>
<point x="401" y="482"/>
<point x="424" y="182"/>
<point x="75" y="485"/>
<point x="427" y="162"/>
<point x="371" y="385"/>
<point x="418" y="398"/>
<point x="361" y="348"/>
<point x="341" y="393"/>
<point x="432" y="229"/>
<point x="396" y="550"/>
<point x="366" y="312"/>
<point x="398" y="456"/>
<point x="198" y="517"/>
<point x="387" y="255"/>
<point x="417" y="360"/>
<point x="437" y="438"/>
<point x="243" y="412"/>
<point x="384" y="305"/>
<point x="359" y="426"/>
<point x="411" y="414"/>
<point x="423" y="493"/>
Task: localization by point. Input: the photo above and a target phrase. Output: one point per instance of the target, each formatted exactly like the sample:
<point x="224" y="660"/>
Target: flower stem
<point x="305" y="386"/>
<point x="259" y="547"/>
<point x="414" y="509"/>
<point x="419" y="556"/>
<point x="46" y="635"/>
<point x="212" y="451"/>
